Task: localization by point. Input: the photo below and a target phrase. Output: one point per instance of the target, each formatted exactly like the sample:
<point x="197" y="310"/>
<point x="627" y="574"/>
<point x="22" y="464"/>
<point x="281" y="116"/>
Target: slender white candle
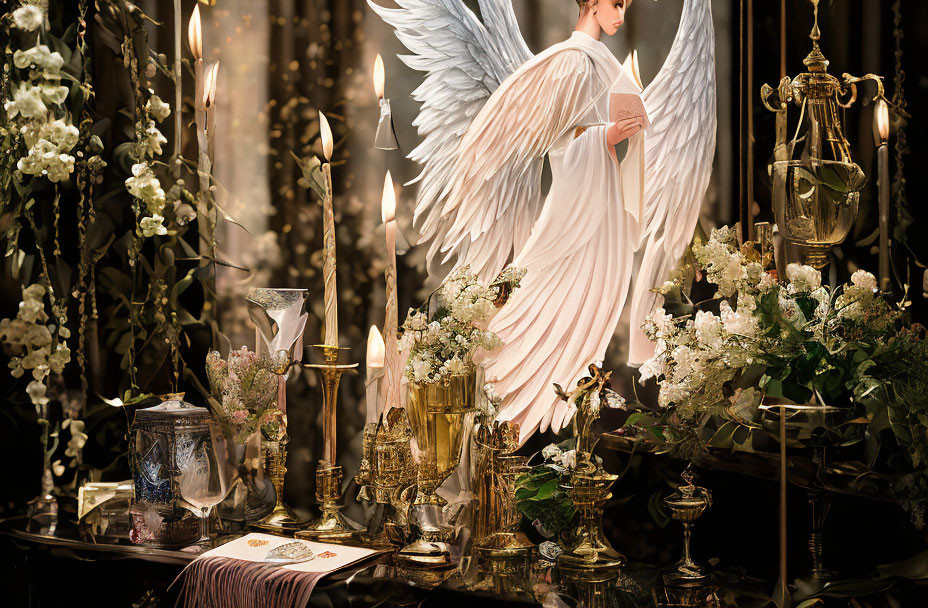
<point x="376" y="351"/>
<point x="392" y="371"/>
<point x="328" y="270"/>
<point x="881" y="135"/>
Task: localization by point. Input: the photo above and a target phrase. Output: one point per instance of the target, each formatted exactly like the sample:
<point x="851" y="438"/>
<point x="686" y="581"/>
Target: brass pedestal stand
<point x="331" y="526"/>
<point x="589" y="563"/>
<point x="687" y="505"/>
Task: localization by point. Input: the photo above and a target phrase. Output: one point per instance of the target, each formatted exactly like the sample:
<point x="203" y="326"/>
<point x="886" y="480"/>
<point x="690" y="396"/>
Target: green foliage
<point x="540" y="498"/>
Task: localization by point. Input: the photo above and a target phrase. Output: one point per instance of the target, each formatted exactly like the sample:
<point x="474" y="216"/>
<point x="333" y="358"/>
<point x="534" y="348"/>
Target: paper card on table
<point x="328" y="557"/>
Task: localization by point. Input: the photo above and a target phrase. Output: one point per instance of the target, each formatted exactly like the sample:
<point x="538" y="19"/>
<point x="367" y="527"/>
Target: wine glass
<point x="207" y="476"/>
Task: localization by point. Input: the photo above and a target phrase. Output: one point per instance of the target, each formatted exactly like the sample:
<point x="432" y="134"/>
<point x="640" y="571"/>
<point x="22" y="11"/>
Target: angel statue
<point x="491" y="113"/>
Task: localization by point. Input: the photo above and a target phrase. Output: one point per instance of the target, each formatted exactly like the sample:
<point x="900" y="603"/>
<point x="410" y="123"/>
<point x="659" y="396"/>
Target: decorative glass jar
<point x="162" y="441"/>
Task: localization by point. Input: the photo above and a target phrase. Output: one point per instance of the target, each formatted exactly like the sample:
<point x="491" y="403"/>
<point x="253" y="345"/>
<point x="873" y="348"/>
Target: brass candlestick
<point x="279" y="322"/>
<point x="330" y="526"/>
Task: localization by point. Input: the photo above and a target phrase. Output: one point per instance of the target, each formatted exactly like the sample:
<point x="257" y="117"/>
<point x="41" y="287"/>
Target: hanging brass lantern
<point x="816" y="183"/>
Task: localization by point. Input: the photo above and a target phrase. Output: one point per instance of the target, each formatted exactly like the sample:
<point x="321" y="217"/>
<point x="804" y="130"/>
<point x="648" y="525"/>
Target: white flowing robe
<point x="579" y="252"/>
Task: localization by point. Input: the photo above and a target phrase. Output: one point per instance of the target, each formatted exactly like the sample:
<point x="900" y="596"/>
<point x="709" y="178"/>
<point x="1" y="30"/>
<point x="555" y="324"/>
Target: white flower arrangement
<point x="699" y="358"/>
<point x="444" y="345"/>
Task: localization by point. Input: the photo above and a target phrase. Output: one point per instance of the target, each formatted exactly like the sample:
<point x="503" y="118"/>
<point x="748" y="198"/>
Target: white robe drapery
<point x="578" y="253"/>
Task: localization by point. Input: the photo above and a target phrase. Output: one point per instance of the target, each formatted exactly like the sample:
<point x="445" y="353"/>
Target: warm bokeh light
<point x="325" y="131"/>
<point x="388" y="206"/>
<point x="376" y="349"/>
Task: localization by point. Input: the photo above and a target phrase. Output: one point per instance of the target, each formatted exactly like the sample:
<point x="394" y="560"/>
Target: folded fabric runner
<point x="243" y="574"/>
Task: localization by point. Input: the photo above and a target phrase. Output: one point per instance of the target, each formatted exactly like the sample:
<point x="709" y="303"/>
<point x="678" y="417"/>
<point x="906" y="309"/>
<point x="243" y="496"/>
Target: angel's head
<point x="608" y="15"/>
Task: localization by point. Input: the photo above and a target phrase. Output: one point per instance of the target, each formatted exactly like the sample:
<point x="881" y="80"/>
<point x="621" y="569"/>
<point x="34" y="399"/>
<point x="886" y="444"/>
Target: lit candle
<point x="385" y="137"/>
<point x="375" y="363"/>
<point x="328" y="269"/>
<point x="881" y="135"/>
<point x="392" y="371"/>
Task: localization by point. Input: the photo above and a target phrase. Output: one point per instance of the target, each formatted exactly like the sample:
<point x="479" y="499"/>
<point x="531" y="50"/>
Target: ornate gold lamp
<point x="816" y="183"/>
<point x="391" y="478"/>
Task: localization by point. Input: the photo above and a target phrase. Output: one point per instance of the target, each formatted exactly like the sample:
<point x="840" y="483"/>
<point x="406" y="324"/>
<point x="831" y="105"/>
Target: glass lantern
<point x="162" y="441"/>
<point x="816" y="183"/>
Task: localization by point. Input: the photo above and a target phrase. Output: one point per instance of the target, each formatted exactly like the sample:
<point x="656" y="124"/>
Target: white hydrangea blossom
<point x="803" y="279"/>
<point x="696" y="357"/>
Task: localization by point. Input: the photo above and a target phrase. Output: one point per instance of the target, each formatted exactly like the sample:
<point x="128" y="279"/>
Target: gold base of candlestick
<point x="331" y="526"/>
<point x="281" y="520"/>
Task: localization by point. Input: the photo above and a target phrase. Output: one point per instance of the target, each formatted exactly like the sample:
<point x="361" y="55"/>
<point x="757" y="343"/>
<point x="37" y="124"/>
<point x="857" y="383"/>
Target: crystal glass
<point x="206" y="474"/>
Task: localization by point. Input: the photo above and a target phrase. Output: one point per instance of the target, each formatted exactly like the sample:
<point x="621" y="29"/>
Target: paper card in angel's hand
<point x="625" y="95"/>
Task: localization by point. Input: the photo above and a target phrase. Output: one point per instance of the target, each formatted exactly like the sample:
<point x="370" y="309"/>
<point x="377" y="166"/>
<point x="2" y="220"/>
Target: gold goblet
<point x="437" y="414"/>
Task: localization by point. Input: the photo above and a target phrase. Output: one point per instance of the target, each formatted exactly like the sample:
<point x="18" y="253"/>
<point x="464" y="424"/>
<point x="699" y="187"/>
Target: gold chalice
<point x="437" y="414"/>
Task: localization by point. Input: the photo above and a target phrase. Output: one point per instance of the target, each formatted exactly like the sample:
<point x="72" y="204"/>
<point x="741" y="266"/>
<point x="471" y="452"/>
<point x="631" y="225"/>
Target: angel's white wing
<point x="465" y="61"/>
<point x="680" y="148"/>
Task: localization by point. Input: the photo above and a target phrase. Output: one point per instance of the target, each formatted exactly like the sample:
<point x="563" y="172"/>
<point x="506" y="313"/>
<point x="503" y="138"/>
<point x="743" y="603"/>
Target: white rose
<point x="803" y="279"/>
<point x="550" y="452"/>
<point x="28" y="17"/>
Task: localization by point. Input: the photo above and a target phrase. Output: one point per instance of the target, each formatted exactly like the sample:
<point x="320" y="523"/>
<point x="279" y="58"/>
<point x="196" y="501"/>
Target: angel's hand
<point x="622" y="130"/>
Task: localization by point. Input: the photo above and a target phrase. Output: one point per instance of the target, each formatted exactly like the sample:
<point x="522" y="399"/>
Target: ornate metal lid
<point x="173" y="408"/>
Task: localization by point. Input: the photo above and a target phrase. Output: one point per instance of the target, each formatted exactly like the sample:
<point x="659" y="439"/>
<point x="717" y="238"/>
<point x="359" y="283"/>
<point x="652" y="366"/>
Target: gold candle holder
<point x="330" y="526"/>
<point x="503" y="552"/>
<point x="282" y="520"/>
<point x="391" y="479"/>
<point x="687" y="505"/>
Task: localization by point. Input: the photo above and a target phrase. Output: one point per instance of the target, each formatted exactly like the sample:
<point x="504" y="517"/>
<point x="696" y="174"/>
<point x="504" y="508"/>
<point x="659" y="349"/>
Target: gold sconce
<point x="816" y="183"/>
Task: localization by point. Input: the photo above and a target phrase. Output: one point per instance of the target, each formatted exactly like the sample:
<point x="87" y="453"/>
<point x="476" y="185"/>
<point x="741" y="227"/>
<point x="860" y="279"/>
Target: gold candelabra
<point x="331" y="525"/>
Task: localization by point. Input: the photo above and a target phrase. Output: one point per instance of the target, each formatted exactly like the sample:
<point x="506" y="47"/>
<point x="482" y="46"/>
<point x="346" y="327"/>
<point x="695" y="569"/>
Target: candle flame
<point x="194" y="34"/>
<point x="376" y="348"/>
<point x="379" y="76"/>
<point x="209" y="85"/>
<point x="388" y="206"/>
<point x="325" y="131"/>
<point x="881" y="122"/>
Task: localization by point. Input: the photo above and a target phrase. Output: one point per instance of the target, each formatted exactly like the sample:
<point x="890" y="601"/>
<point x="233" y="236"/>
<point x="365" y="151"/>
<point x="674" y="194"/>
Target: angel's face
<point x="611" y="14"/>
